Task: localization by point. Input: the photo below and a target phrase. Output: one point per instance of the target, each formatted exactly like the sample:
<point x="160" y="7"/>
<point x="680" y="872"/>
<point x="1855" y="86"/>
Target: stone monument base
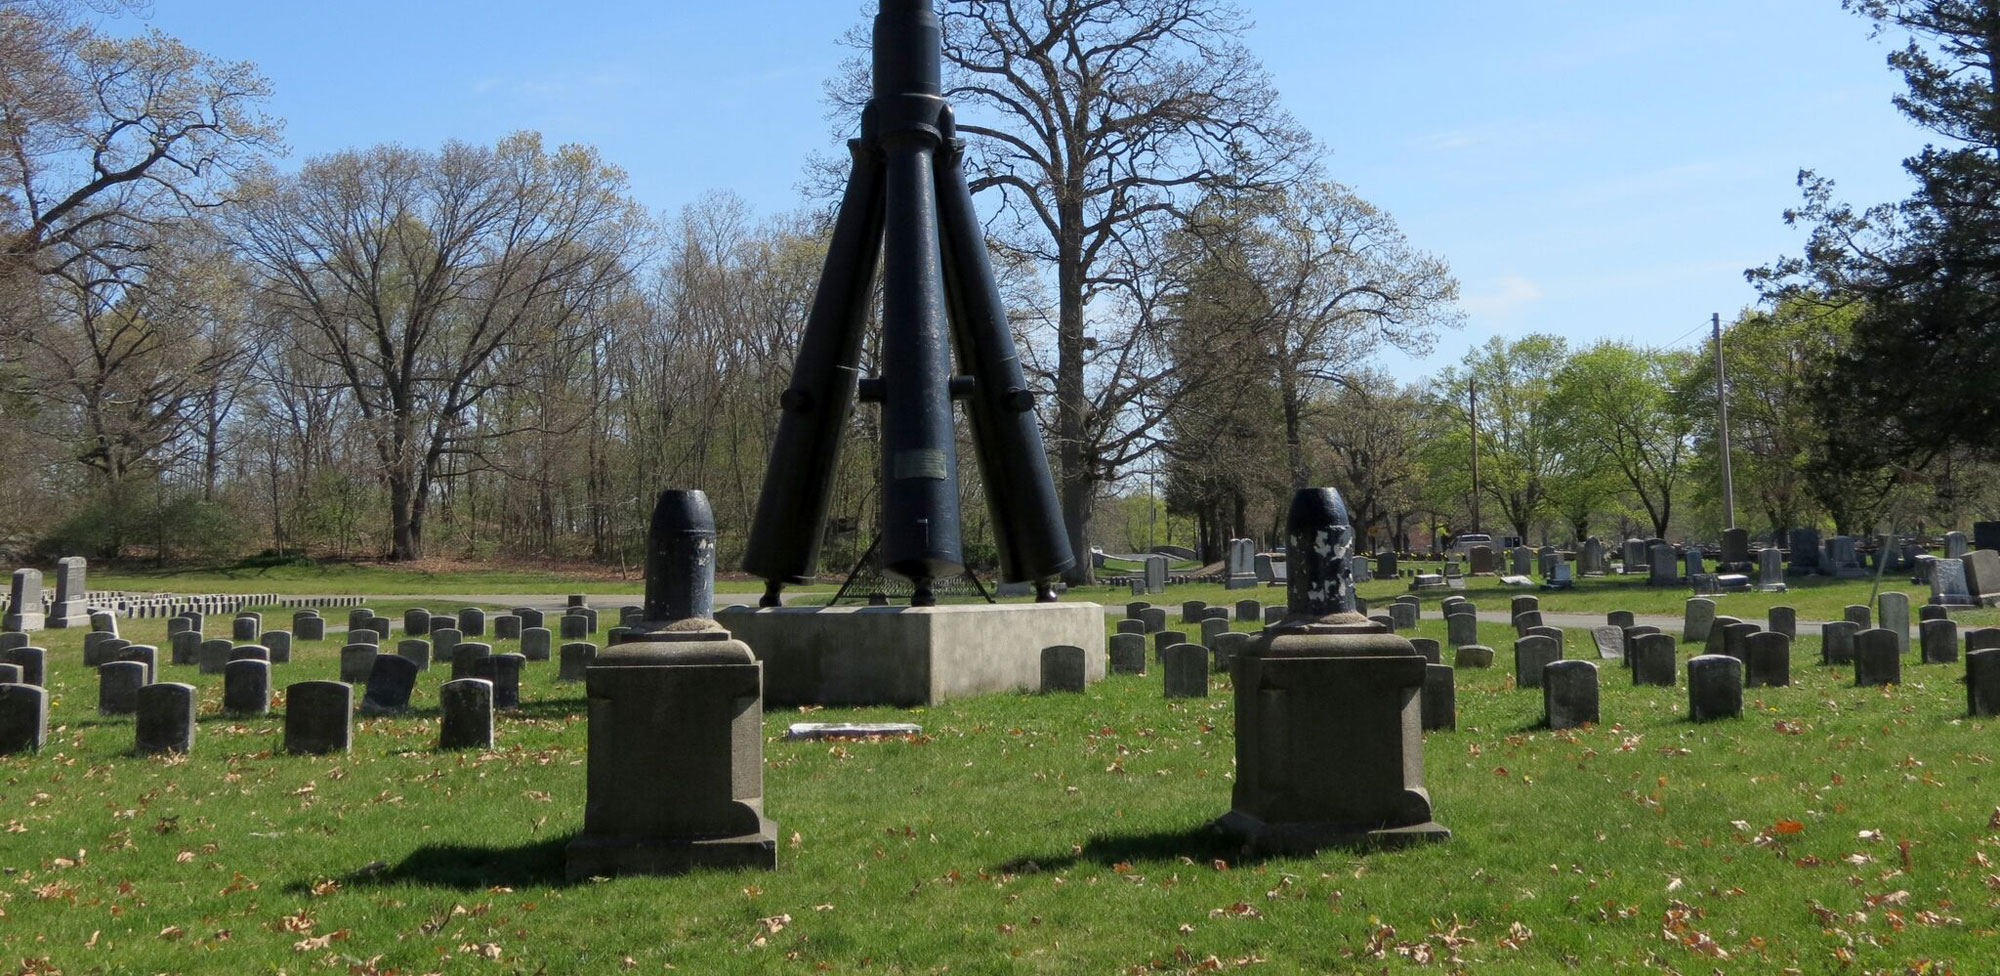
<point x="911" y="655"/>
<point x="21" y="622"/>
<point x="609" y="857"/>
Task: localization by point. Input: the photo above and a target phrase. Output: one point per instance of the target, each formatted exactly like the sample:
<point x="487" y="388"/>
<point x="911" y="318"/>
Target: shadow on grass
<point x="464" y="867"/>
<point x="1202" y="843"/>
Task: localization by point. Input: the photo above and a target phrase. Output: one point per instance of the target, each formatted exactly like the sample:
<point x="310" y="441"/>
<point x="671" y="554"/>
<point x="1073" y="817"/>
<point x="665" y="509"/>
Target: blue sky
<point x="1591" y="169"/>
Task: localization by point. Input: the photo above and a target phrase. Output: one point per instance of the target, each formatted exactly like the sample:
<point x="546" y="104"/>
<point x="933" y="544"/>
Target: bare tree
<point x="416" y="273"/>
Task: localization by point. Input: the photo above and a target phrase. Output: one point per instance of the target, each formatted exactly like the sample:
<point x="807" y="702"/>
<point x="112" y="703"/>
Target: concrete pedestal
<point x="675" y="769"/>
<point x="1329" y="741"/>
<point x="911" y="655"/>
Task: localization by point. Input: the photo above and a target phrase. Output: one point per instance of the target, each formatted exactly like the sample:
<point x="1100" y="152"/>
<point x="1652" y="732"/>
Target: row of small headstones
<point x="318" y="714"/>
<point x="174" y="605"/>
<point x="125" y="670"/>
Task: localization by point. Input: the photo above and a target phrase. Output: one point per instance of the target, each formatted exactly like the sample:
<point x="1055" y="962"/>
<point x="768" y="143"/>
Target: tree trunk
<point x="1078" y="468"/>
<point x="1295" y="452"/>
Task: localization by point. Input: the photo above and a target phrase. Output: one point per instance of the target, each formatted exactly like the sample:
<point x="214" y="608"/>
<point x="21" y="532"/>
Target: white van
<point x="1462" y="546"/>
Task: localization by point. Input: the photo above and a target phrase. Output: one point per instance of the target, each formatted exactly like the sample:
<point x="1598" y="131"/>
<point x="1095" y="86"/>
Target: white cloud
<point x="1503" y="300"/>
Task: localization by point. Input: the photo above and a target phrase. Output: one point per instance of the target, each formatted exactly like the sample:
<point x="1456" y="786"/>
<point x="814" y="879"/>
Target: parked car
<point x="1462" y="545"/>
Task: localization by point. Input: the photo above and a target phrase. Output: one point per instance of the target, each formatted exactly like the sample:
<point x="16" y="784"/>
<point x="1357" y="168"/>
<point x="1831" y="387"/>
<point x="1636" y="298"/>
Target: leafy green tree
<point x="1923" y="275"/>
<point x="1622" y="423"/>
<point x="1519" y="446"/>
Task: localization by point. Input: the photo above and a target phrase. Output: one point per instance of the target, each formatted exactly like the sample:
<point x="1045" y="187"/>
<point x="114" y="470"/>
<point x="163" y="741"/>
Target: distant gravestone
<point x="1931" y="611"/>
<point x="1211" y="628"/>
<point x="417" y="651"/>
<point x="364" y="636"/>
<point x="1156" y="574"/>
<point x="1893" y="608"/>
<point x="1249" y="611"/>
<point x="1185" y="667"/>
<point x="1939" y="641"/>
<point x="356" y="660"/>
<point x="1620" y="618"/>
<point x="465" y="713"/>
<point x="245" y="627"/>
<point x="1472" y="656"/>
<point x="185" y="647"/>
<point x="416" y="622"/>
<point x="1610" y="642"/>
<point x="1521" y="560"/>
<point x="1857" y="614"/>
<point x="1768" y="660"/>
<point x="1804" y="544"/>
<point x="1653" y="658"/>
<point x="1531" y="654"/>
<point x="1480" y="561"/>
<point x="1955" y="544"/>
<point x="1128" y="654"/>
<point x="535" y="643"/>
<point x="24" y="717"/>
<point x="577" y="656"/>
<point x="1428" y="648"/>
<point x="24" y="610"/>
<point x="1131" y="627"/>
<point x="1877" y="661"/>
<point x="390" y="683"/>
<point x="1660" y="559"/>
<point x="118" y="684"/>
<point x="1227" y="646"/>
<point x="69" y="608"/>
<point x="1982" y="576"/>
<point x="145" y="654"/>
<point x="1783" y="620"/>
<point x="246" y="687"/>
<point x="1715" y="687"/>
<point x="1736" y="640"/>
<point x="444" y="640"/>
<point x="1527" y="620"/>
<point x="1635" y="557"/>
<point x="1770" y="571"/>
<point x="249" y="652"/>
<point x="33" y="662"/>
<point x="530" y="617"/>
<point x="1240" y="566"/>
<point x="1735" y="550"/>
<point x="1948" y="584"/>
<point x="1986" y="535"/>
<point x="318" y="717"/>
<point x="1837" y="641"/>
<point x="1696" y="620"/>
<point x="1404" y="615"/>
<point x="504" y="672"/>
<point x="573" y="626"/>
<point x="1063" y="669"/>
<point x="1593" y="557"/>
<point x="472" y="622"/>
<point x="1523" y="603"/>
<point x="310" y="628"/>
<point x="1165" y="639"/>
<point x="1440" y="698"/>
<point x="1155" y="619"/>
<point x="466" y="656"/>
<point x="1715" y="632"/>
<point x="1461" y="629"/>
<point x="213" y="655"/>
<point x="506" y="626"/>
<point x="279" y="643"/>
<point x="1569" y="694"/>
<point x="1691" y="560"/>
<point x="104" y="621"/>
<point x="1982" y="685"/>
<point x="165" y="720"/>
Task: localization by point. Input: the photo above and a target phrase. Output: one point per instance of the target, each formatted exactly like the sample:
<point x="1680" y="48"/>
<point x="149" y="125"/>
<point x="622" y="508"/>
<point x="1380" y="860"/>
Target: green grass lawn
<point x="1833" y="829"/>
<point x="366" y="579"/>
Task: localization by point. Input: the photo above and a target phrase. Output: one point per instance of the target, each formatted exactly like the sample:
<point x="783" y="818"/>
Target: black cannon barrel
<point x="798" y="483"/>
<point x="1027" y="519"/>
<point x="680" y="558"/>
<point x="907" y="49"/>
<point x="1319" y="538"/>
<point x="920" y="520"/>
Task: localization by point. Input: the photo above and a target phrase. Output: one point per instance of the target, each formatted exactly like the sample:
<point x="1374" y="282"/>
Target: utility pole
<point x="1472" y="410"/>
<point x="1722" y="415"/>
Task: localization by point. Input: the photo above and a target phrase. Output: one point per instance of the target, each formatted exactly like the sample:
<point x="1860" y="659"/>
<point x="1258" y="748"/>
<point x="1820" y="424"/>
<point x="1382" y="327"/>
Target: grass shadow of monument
<point x="464" y="867"/>
<point x="1202" y="843"/>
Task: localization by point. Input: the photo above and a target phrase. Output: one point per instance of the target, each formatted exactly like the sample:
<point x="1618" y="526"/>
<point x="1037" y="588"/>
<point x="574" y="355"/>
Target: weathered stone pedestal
<point x="1329" y="712"/>
<point x="1329" y="741"/>
<point x="676" y="758"/>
